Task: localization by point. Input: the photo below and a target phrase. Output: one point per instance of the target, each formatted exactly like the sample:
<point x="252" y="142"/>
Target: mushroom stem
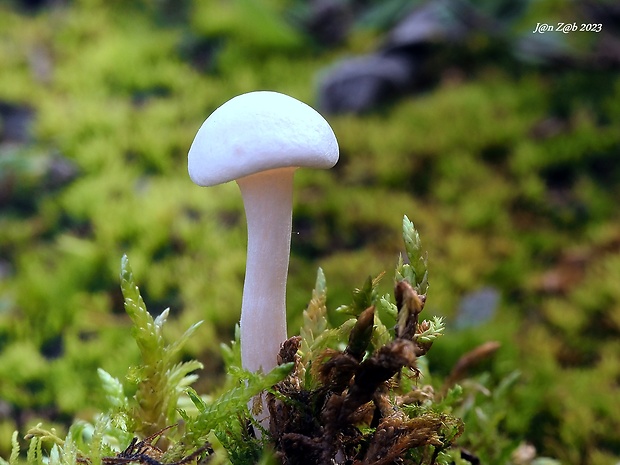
<point x="268" y="202"/>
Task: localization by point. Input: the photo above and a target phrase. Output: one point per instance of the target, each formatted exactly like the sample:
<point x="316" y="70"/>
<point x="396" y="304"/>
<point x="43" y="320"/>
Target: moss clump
<point x="351" y="393"/>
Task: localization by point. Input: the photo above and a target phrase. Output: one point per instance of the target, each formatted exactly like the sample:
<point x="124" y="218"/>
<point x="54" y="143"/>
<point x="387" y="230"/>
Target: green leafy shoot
<point x="226" y="417"/>
<point x="211" y="414"/>
<point x="160" y="381"/>
<point x="222" y="420"/>
<point x="363" y="297"/>
<point x="118" y="403"/>
<point x="315" y="315"/>
<point x="432" y="329"/>
<point x="385" y="318"/>
<point x="416" y="270"/>
<point x="14" y="457"/>
<point x="34" y="456"/>
<point x="231" y="354"/>
<point x="332" y="337"/>
<point x="385" y="305"/>
<point x="113" y="389"/>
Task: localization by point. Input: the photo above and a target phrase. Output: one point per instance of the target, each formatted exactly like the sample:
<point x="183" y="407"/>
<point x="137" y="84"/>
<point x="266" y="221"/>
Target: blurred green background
<point x="502" y="146"/>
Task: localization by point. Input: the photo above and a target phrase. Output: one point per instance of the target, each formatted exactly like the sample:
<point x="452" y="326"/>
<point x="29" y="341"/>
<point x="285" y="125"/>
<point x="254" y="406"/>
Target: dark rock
<point x="477" y="308"/>
<point x="329" y="21"/>
<point x="358" y="84"/>
<point x="16" y="121"/>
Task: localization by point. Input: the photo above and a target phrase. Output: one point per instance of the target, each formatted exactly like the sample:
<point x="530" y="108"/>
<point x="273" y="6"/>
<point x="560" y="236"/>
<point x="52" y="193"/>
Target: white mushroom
<point x="259" y="139"/>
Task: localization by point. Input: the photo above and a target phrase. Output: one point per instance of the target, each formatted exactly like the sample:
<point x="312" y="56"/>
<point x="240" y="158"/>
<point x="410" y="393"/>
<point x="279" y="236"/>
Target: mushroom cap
<point x="256" y="132"/>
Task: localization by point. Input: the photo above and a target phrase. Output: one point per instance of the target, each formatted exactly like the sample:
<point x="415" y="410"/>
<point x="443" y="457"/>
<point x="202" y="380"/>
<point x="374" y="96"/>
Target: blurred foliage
<point x="508" y="168"/>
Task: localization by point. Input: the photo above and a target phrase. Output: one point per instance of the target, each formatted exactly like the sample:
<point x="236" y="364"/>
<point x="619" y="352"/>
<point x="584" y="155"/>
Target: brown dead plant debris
<point x="145" y="452"/>
<point x="355" y="413"/>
